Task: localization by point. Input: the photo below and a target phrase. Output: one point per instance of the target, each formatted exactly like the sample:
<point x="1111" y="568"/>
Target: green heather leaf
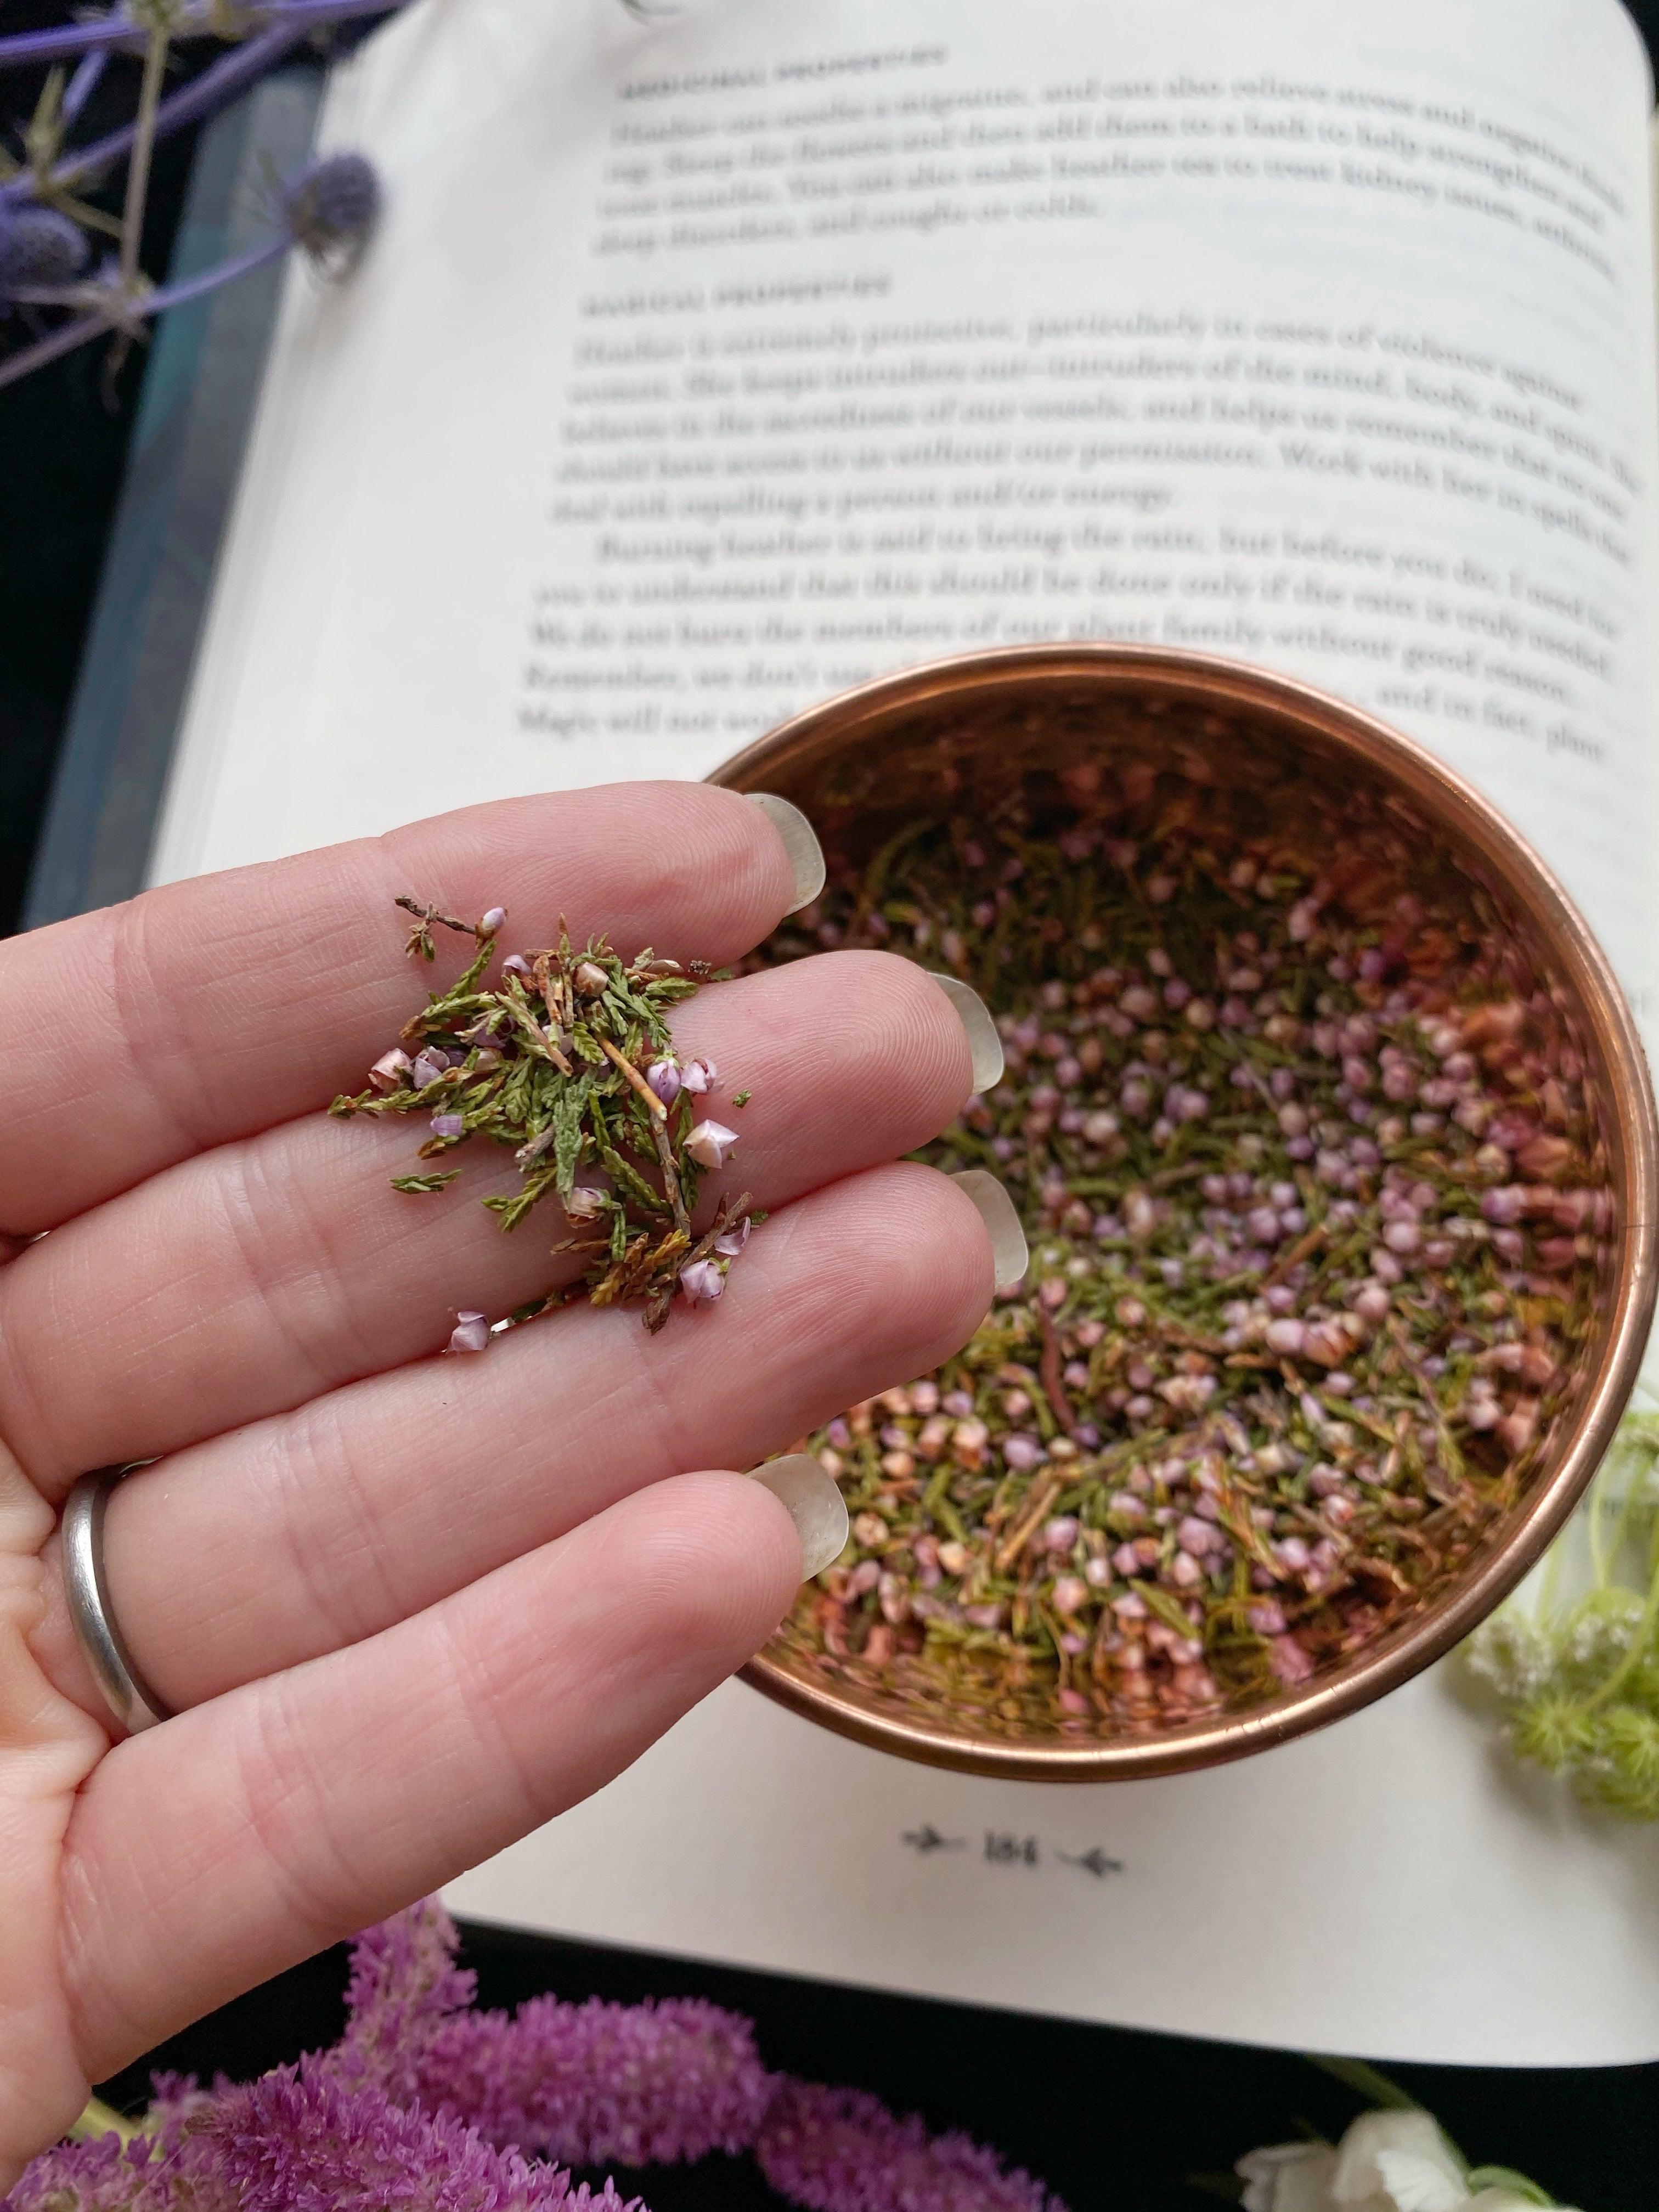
<point x="1167" y="1609"/>
<point x="630" y="1180"/>
<point x="416" y="1185"/>
<point x="568" y="1135"/>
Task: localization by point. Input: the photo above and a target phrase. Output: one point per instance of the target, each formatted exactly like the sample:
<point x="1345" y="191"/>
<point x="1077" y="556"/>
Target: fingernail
<point x="983" y="1042"/>
<point x="1009" y="1250"/>
<point x="813" y="1503"/>
<point x="800" y="842"/>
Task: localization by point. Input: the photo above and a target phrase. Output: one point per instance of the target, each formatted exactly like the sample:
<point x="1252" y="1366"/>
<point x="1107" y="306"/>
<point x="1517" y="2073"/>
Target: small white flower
<point x="1397" y="2162"/>
<point x="1288" y="2178"/>
<point x="1511" y="1653"/>
<point x="1391" y="2161"/>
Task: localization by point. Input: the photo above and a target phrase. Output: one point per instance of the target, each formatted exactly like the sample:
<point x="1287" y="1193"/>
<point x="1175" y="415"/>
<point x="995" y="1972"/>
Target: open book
<point x="708" y="364"/>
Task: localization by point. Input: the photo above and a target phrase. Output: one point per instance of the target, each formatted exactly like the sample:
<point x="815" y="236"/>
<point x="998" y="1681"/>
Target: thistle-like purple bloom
<point x="841" y="2150"/>
<point x="39" y="246"/>
<point x="331" y="207"/>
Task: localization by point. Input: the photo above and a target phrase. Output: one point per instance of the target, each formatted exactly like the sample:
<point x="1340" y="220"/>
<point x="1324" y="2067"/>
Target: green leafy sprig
<point x="549" y="1060"/>
<point x="1576" y="1662"/>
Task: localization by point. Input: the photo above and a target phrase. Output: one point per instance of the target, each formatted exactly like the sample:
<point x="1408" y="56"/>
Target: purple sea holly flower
<point x="330" y="207"/>
<point x="39" y="246"/>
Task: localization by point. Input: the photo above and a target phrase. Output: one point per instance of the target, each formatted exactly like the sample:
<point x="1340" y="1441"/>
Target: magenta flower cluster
<point x="428" y="2105"/>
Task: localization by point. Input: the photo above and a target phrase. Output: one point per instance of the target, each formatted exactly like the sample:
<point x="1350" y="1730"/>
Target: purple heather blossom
<point x="665" y="1077"/>
<point x="104" y="2175"/>
<point x="588" y="2084"/>
<point x="448" y="1125"/>
<point x="841" y="2150"/>
<point x="298" y="2140"/>
<point x="470" y="1332"/>
<point x="698" y="1076"/>
<point x="389" y="1070"/>
<point x="729" y="1245"/>
<point x="515" y="964"/>
<point x="710" y="1142"/>
<point x="426" y="2106"/>
<point x="405" y="1986"/>
<point x="702" y="1281"/>
<point x="492" y="920"/>
<point x="429" y="1065"/>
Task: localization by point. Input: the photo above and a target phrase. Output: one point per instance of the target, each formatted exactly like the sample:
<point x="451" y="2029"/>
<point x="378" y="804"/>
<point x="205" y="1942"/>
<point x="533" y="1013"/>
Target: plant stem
<point x="27" y="48"/>
<point x="97" y="2118"/>
<point x="66" y="339"/>
<point x="82" y="85"/>
<point x="218" y="83"/>
<point x="144" y="144"/>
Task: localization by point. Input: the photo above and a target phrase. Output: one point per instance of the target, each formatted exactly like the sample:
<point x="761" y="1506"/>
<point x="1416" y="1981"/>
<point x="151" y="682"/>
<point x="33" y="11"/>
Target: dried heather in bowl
<point x="1314" y="1202"/>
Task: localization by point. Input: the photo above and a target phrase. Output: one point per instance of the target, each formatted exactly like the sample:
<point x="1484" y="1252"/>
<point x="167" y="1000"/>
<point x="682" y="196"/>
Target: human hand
<point x="403" y="1607"/>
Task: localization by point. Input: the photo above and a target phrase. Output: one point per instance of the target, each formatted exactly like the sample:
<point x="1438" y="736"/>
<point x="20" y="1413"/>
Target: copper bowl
<point x="901" y="743"/>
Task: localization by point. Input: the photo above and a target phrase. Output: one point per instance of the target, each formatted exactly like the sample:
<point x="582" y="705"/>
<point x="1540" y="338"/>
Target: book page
<point x="704" y="368"/>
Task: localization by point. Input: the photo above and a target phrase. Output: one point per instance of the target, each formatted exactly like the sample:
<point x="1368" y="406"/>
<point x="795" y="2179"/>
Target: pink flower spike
<point x="470" y="1332"/>
<point x="446" y="1125"/>
<point x="389" y="1070"/>
<point x="665" y="1080"/>
<point x="734" y="1239"/>
<point x="711" y="1142"/>
<point x="492" y="920"/>
<point x="701" y="1281"/>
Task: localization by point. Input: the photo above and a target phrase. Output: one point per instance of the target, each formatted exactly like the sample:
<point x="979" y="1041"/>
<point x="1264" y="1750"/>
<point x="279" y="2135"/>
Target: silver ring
<point x="126" y="1691"/>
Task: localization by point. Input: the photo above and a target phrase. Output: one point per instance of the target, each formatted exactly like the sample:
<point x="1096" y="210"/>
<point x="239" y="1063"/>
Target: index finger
<point x="210" y="1009"/>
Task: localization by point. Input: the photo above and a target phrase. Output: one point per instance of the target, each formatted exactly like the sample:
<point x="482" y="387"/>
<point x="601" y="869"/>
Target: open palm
<point x="404" y="1607"/>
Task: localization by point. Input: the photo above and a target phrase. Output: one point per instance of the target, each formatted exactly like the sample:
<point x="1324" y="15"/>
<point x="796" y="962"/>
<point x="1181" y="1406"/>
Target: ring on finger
<point x="128" y="1696"/>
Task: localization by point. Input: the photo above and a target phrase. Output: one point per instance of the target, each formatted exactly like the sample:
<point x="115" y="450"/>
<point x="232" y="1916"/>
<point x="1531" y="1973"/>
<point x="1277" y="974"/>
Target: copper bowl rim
<point x="1634" y="1141"/>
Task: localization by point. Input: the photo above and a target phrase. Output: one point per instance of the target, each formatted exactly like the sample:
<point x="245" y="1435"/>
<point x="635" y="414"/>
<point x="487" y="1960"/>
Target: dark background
<point x="1104" y="2115"/>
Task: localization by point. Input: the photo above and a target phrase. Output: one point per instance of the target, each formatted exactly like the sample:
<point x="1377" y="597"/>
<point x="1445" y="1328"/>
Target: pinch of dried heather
<point x="567" y="1060"/>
